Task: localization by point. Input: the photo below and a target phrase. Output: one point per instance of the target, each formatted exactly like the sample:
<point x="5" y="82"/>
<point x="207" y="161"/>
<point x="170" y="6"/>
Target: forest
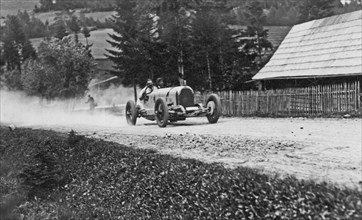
<point x="213" y="45"/>
<point x="278" y="12"/>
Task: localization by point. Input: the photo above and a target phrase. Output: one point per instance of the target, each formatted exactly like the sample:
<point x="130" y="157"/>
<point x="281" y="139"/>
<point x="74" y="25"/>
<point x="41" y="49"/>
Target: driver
<point x="145" y="92"/>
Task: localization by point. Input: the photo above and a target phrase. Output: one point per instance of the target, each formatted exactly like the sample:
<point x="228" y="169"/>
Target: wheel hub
<point x="211" y="107"/>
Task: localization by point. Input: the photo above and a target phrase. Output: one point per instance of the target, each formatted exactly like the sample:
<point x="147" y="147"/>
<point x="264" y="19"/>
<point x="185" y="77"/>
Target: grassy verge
<point x="45" y="175"/>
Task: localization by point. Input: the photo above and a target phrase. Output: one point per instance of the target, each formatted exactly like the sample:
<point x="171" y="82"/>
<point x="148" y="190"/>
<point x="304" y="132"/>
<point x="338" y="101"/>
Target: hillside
<point x="11" y="7"/>
<point x="49" y="16"/>
<point x="98" y="39"/>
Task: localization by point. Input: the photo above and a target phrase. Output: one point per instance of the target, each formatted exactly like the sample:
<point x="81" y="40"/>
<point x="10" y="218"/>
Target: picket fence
<point x="309" y="101"/>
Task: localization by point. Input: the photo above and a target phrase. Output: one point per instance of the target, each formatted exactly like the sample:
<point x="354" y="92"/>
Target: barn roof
<point x="321" y="48"/>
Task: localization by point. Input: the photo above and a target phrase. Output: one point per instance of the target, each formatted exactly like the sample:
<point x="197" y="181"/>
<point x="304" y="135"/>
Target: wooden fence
<point x="310" y="101"/>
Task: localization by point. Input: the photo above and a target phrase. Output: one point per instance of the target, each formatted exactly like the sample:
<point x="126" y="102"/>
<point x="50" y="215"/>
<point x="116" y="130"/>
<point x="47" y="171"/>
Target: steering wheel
<point x="150" y="90"/>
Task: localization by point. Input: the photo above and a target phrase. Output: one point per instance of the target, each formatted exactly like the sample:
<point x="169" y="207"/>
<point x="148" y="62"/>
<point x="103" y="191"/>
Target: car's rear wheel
<point x="161" y="112"/>
<point x="213" y="106"/>
<point x="131" y="112"/>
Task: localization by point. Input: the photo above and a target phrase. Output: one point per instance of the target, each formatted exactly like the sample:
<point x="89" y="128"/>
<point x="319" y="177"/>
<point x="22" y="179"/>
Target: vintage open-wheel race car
<point x="171" y="105"/>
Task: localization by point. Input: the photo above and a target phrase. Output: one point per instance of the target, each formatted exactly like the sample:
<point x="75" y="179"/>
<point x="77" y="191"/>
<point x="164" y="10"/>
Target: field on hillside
<point x="97" y="39"/>
<point x="49" y="16"/>
<point x="11" y="7"/>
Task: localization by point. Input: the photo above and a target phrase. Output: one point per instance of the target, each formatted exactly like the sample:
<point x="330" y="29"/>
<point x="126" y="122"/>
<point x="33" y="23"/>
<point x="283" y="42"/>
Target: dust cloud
<point x="19" y="109"/>
<point x="113" y="95"/>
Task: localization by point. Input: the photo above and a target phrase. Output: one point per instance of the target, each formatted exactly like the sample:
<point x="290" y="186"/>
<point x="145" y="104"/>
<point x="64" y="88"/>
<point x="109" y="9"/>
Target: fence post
<point x="359" y="104"/>
<point x="355" y="95"/>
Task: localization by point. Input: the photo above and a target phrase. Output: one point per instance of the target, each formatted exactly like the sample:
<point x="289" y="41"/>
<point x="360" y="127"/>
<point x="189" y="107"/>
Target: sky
<point x="344" y="1"/>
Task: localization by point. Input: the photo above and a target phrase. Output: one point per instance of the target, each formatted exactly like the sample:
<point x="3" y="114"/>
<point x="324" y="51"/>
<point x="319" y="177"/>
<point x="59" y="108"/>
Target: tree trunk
<point x="222" y="69"/>
<point x="180" y="52"/>
<point x="134" y="88"/>
<point x="76" y="39"/>
<point x="208" y="69"/>
<point x="181" y="67"/>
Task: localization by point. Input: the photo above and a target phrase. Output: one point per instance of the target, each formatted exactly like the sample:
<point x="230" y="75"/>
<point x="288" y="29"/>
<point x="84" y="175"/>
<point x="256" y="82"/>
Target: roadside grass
<point x="56" y="176"/>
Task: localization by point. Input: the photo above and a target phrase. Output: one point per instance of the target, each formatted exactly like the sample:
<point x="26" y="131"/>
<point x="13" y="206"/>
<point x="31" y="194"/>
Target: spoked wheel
<point x="161" y="112"/>
<point x="131" y="112"/>
<point x="213" y="106"/>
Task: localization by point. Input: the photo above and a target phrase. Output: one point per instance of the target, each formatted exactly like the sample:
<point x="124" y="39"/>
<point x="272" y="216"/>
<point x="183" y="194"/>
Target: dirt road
<point x="319" y="149"/>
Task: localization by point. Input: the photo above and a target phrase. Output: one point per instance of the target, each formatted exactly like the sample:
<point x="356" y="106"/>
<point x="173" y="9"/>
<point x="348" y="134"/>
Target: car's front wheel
<point x="213" y="106"/>
<point x="161" y="112"/>
<point x="131" y="112"/>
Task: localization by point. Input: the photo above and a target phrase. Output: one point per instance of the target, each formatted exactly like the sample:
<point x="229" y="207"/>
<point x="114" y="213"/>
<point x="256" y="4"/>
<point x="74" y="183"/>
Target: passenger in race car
<point x="159" y="83"/>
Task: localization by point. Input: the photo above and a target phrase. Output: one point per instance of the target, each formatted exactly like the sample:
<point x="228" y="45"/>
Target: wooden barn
<point x="316" y="71"/>
<point x="319" y="52"/>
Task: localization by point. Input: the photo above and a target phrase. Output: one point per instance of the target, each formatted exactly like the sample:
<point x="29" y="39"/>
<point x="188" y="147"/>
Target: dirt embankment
<point x="320" y="149"/>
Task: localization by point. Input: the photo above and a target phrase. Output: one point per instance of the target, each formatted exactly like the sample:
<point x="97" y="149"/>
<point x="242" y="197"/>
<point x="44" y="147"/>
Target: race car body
<point x="173" y="104"/>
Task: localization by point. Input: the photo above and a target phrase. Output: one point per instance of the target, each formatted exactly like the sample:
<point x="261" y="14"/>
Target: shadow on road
<point x="176" y="124"/>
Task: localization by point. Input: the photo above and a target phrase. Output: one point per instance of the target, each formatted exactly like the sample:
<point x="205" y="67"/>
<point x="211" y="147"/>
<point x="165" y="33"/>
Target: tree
<point x="186" y="39"/>
<point x="28" y="50"/>
<point x="214" y="47"/>
<point x="316" y="9"/>
<point x="33" y="27"/>
<point x="73" y="25"/>
<point x="38" y="80"/>
<point x="255" y="44"/>
<point x="11" y="56"/>
<point x="353" y="5"/>
<point x="283" y="15"/>
<point x="128" y="55"/>
<point x="153" y="49"/>
<point x="11" y="79"/>
<point x="291" y="17"/>
<point x="46" y="5"/>
<point x="60" y="29"/>
<point x="17" y="48"/>
<point x="175" y="17"/>
<point x="62" y="70"/>
<point x="37" y="28"/>
<point x="86" y="34"/>
<point x="14" y="38"/>
<point x="2" y="58"/>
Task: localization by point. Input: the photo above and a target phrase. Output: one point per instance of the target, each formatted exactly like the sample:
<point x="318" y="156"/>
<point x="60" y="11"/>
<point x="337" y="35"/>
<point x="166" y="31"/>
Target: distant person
<point x="160" y="83"/>
<point x="91" y="102"/>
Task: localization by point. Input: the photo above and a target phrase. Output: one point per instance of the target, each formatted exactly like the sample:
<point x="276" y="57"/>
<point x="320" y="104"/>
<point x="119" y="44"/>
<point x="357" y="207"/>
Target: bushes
<point x="44" y="172"/>
<point x="91" y="178"/>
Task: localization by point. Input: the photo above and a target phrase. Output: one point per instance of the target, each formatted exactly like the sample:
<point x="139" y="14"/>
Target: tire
<point x="213" y="106"/>
<point x="131" y="113"/>
<point x="161" y="112"/>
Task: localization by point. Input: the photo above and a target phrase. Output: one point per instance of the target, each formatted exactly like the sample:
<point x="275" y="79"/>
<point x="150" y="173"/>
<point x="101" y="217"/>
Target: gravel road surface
<point x="319" y="149"/>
